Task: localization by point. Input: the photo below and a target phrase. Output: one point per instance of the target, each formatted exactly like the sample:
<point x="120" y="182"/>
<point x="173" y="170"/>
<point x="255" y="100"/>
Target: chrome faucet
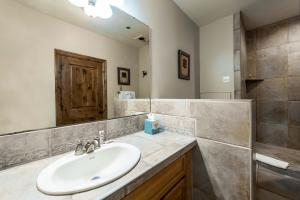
<point x="90" y="146"/>
<point x="80" y="149"/>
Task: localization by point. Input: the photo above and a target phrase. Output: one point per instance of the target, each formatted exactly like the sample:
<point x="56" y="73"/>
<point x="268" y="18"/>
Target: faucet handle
<point x="97" y="142"/>
<point x="101" y="137"/>
<point x="90" y="147"/>
<point x="80" y="149"/>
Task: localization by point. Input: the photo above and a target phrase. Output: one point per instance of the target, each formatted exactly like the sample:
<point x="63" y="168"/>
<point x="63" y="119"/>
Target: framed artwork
<point x="123" y="76"/>
<point x="183" y="65"/>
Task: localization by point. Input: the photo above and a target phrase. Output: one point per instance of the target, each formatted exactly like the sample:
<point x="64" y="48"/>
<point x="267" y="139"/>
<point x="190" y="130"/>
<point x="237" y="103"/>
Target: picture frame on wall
<point x="123" y="76"/>
<point x="183" y="65"/>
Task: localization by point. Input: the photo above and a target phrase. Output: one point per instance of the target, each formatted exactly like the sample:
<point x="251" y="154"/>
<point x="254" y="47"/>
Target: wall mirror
<point x="61" y="64"/>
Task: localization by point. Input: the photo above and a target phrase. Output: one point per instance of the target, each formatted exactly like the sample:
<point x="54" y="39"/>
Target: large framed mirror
<point x="61" y="64"/>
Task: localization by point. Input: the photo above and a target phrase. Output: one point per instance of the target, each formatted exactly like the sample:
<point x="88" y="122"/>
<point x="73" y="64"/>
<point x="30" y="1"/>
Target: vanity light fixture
<point x="97" y="8"/>
<point x="79" y="3"/>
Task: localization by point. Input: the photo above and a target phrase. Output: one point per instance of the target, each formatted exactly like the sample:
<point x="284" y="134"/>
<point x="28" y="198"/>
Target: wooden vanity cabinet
<point x="174" y="182"/>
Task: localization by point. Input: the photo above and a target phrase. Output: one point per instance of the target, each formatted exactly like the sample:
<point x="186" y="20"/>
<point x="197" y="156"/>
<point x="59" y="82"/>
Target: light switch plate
<point x="226" y="79"/>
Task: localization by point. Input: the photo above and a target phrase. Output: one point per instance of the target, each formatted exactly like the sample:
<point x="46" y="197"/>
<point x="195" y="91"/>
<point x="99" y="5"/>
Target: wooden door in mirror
<point x="80" y="88"/>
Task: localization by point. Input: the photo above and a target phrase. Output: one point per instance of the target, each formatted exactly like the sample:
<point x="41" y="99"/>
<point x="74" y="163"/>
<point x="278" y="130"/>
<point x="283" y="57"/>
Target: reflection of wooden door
<point x="80" y="87"/>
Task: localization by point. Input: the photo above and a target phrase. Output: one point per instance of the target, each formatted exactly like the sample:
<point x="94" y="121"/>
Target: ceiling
<point x="256" y="13"/>
<point x="114" y="27"/>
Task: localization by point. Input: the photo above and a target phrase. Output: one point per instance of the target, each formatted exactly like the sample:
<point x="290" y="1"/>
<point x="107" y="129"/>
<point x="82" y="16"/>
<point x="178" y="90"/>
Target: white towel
<point x="271" y="161"/>
<point x="127" y="95"/>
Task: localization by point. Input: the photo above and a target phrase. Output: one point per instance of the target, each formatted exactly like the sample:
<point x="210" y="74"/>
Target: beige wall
<point x="28" y="39"/>
<point x="171" y="30"/>
<point x="216" y="58"/>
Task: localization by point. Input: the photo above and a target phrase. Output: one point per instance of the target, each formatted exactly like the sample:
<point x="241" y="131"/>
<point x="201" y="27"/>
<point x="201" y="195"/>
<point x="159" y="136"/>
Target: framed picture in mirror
<point x="123" y="76"/>
<point x="183" y="65"/>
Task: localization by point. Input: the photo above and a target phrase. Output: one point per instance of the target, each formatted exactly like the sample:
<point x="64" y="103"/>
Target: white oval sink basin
<point x="71" y="174"/>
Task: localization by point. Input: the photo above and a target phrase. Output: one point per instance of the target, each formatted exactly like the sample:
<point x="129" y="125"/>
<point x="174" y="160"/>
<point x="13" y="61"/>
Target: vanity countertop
<point x="157" y="151"/>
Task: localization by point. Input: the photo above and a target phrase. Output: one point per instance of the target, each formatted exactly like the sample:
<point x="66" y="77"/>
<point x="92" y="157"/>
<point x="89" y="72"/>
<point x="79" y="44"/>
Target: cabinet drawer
<point x="178" y="192"/>
<point x="157" y="186"/>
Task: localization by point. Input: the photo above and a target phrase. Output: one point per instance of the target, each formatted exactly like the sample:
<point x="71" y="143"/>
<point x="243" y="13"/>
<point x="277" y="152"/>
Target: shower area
<point x="267" y="69"/>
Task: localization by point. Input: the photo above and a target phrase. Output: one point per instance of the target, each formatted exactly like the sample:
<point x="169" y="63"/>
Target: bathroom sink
<point x="71" y="174"/>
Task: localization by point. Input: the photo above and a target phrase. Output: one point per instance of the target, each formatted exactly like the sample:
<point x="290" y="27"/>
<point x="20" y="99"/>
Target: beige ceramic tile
<point x="275" y="112"/>
<point x="273" y="90"/>
<point x="265" y="194"/>
<point x="273" y="35"/>
<point x="293" y="61"/>
<point x="64" y="139"/>
<point x="237" y="40"/>
<point x="294" y="31"/>
<point x="251" y="68"/>
<point x="24" y="147"/>
<point x="280" y="184"/>
<point x="237" y="60"/>
<point x="124" y="126"/>
<point x="294" y="88"/>
<point x="181" y="125"/>
<point x="272" y="62"/>
<point x="176" y="107"/>
<point x="294" y="137"/>
<point x="237" y="80"/>
<point x="294" y="113"/>
<point x="146" y="145"/>
<point x="172" y="152"/>
<point x="275" y="134"/>
<point x="251" y="43"/>
<point x="293" y="47"/>
<point x="228" y="122"/>
<point x="139" y="105"/>
<point x="120" y="107"/>
<point x="222" y="170"/>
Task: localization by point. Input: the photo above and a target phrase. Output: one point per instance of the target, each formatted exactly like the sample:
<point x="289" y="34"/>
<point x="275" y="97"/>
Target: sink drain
<point x="95" y="178"/>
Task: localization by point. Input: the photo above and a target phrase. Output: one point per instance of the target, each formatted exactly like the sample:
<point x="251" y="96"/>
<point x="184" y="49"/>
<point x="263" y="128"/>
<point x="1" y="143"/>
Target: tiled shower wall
<point x="240" y="56"/>
<point x="222" y="163"/>
<point x="273" y="54"/>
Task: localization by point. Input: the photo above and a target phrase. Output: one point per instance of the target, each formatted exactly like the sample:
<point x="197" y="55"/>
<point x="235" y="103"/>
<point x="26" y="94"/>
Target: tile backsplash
<point x="177" y="124"/>
<point x="29" y="146"/>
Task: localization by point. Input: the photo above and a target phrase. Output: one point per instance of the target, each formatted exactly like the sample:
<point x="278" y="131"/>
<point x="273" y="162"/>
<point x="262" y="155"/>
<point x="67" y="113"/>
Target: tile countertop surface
<point x="157" y="152"/>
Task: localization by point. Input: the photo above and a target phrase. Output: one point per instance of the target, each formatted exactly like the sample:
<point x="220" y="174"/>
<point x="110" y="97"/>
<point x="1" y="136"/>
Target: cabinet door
<point x="177" y="192"/>
<point x="80" y="88"/>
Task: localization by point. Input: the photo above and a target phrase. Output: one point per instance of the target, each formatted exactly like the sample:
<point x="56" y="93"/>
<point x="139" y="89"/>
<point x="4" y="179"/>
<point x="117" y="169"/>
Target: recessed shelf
<point x="253" y="80"/>
<point x="249" y="83"/>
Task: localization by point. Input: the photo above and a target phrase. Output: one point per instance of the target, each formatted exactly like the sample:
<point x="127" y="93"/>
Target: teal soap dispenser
<point x="151" y="125"/>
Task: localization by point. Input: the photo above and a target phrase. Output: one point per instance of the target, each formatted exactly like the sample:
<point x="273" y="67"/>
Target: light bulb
<point x="103" y="9"/>
<point x="90" y="10"/>
<point x="116" y="3"/>
<point x="79" y="3"/>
